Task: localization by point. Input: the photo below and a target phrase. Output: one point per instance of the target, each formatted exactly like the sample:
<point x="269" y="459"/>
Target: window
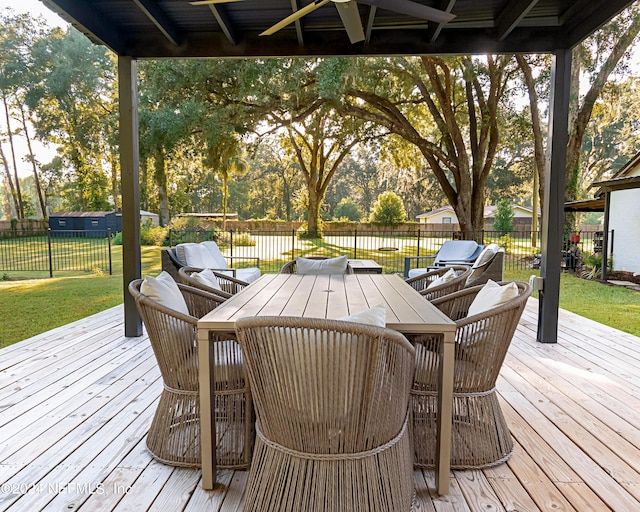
<point x="446" y="220"/>
<point x="94" y="223"/>
<point x="62" y="223"/>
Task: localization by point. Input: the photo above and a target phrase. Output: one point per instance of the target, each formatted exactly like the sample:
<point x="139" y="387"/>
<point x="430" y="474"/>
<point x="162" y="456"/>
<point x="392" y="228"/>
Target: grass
<point x="35" y="305"/>
<point x="32" y="306"/>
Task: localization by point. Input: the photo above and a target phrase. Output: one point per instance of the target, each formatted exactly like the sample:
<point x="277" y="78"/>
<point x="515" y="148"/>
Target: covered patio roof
<point x="136" y="29"/>
<point x="176" y="28"/>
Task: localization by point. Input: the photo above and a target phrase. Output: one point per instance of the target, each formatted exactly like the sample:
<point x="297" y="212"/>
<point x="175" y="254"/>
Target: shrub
<point x="149" y="235"/>
<point x="503" y="219"/>
<point x="347" y="209"/>
<point x="243" y="240"/>
<point x="388" y="210"/>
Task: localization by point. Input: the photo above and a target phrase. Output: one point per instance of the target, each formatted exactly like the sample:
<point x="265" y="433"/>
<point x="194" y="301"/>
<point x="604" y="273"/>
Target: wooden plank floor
<point x="76" y="402"/>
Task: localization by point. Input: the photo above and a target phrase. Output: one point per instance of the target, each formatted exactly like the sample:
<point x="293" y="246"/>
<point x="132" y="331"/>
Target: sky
<point x="43" y="153"/>
<point x="34" y="7"/>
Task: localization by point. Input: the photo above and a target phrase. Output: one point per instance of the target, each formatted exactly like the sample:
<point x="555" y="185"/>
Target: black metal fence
<point x="387" y="248"/>
<point x="55" y="251"/>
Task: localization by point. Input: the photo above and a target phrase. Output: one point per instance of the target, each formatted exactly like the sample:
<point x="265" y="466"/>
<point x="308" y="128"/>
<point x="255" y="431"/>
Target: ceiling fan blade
<point x="351" y="20"/>
<point x="210" y="2"/>
<point x="295" y="16"/>
<point x="412" y="9"/>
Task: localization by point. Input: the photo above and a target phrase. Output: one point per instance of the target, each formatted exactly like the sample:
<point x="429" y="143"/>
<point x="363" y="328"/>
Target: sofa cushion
<point x="328" y="266"/>
<point x="486" y="255"/>
<point x="216" y="256"/>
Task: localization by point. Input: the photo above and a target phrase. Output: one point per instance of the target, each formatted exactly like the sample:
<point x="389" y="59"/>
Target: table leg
<point x="207" y="410"/>
<point x="445" y="408"/>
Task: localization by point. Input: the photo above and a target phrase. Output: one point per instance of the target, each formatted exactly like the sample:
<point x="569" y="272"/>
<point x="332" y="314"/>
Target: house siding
<point x="624" y="220"/>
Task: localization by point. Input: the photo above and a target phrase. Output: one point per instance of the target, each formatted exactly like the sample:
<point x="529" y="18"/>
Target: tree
<point x="594" y="61"/>
<point x="348" y="209"/>
<point x="448" y="108"/>
<point x="388" y="210"/>
<point x="503" y="219"/>
<point x="72" y="101"/>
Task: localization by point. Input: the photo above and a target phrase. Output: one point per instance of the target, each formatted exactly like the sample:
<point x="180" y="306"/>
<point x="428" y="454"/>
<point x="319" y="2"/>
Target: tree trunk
<point x="225" y="195"/>
<point x="160" y="175"/>
<point x="313" y="208"/>
<point x="32" y="158"/>
<point x="115" y="182"/>
<point x="19" y="205"/>
<point x="538" y="141"/>
<point x="12" y="188"/>
<point x="144" y="183"/>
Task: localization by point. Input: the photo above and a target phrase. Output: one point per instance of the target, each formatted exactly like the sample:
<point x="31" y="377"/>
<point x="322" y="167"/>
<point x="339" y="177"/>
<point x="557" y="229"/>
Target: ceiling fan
<point x="348" y="11"/>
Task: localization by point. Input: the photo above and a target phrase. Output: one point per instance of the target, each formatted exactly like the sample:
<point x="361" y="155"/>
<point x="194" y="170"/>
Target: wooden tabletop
<point x="330" y="296"/>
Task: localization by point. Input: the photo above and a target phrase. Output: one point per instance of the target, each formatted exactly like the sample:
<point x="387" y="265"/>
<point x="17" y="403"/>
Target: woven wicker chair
<point x="230" y="285"/>
<point x="290" y="267"/>
<point x="421" y="282"/>
<point x="332" y="402"/>
<point x="480" y="436"/>
<point x="492" y="269"/>
<point x="174" y="435"/>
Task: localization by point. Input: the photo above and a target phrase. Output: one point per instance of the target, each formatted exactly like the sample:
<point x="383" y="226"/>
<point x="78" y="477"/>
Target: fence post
<point x="231" y="244"/>
<point x="50" y="255"/>
<point x="355" y="244"/>
<point x="109" y="249"/>
<point x="293" y="244"/>
<point x="418" y="252"/>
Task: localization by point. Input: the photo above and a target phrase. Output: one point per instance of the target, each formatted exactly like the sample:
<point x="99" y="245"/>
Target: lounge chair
<point x="452" y="252"/>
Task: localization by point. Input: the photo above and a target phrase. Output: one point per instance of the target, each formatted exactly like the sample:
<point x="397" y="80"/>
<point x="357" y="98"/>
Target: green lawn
<point x="32" y="306"/>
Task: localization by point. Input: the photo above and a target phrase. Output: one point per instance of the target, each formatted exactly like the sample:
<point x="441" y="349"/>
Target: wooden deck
<point x="75" y="404"/>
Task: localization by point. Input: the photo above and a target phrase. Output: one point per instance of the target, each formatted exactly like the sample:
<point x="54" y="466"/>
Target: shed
<point x="96" y="223"/>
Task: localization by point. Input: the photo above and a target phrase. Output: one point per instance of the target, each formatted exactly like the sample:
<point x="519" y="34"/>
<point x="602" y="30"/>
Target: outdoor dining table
<point x="329" y="296"/>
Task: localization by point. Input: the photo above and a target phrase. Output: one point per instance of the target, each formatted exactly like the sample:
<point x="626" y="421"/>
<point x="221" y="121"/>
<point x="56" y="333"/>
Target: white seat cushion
<point x="492" y="295"/>
<point x="316" y="267"/>
<point x="164" y="290"/>
<point x="248" y="275"/>
<point x="415" y="272"/>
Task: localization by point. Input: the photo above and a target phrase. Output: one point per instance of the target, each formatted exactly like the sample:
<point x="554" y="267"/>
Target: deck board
<point x="76" y="402"/>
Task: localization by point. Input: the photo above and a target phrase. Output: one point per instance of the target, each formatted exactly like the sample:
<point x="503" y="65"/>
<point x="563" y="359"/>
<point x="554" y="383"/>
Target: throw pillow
<point x="207" y="278"/>
<point x="164" y="290"/>
<point x="376" y="316"/>
<point x="492" y="295"/>
<point x="449" y="275"/>
<point x="328" y="266"/>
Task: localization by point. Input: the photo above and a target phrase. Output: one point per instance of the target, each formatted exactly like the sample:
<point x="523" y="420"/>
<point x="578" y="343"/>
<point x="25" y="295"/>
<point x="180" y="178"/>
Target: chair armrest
<point x="417" y="259"/>
<point x="248" y="258"/>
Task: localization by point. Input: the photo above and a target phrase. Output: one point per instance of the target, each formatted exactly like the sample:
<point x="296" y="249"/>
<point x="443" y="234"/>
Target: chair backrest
<point x="482" y="340"/>
<point x="488" y="265"/>
<point x="290" y="266"/>
<point x="173" y="334"/>
<point x="435" y="289"/>
<point x="458" y="252"/>
<point x="326" y="386"/>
